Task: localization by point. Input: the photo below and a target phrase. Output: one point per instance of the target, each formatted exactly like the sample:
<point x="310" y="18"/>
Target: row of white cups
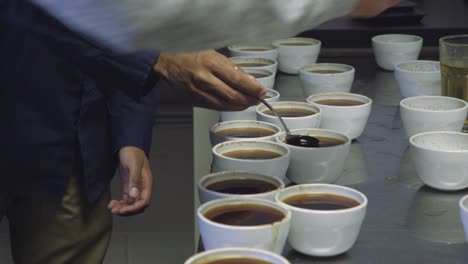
<point x="314" y="232"/>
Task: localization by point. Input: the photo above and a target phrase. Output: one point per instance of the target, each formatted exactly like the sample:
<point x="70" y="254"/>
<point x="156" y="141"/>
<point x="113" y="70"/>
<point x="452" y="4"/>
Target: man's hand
<point x="210" y="79"/>
<point x="368" y="8"/>
<point x="137" y="182"/>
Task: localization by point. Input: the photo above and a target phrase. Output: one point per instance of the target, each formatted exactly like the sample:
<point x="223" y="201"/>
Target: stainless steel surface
<point x="406" y="222"/>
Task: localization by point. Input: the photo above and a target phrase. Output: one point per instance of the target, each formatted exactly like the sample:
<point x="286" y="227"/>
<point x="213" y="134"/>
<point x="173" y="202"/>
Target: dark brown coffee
<point x="255" y="49"/>
<point x="242" y="186"/>
<point x="252" y="154"/>
<point x="245" y="132"/>
<point x="234" y="260"/>
<point x="321" y="201"/>
<point x="290" y="112"/>
<point x="326" y="71"/>
<point x="339" y="102"/>
<point x="325" y="142"/>
<point x="252" y="64"/>
<point x="259" y="75"/>
<point x="244" y="215"/>
<point x="297" y="44"/>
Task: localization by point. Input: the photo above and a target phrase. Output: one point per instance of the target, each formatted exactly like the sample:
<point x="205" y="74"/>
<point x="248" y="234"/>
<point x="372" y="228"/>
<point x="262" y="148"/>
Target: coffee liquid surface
<point x="244" y="215"/>
<point x="252" y="64"/>
<point x="252" y="154"/>
<point x="258" y="75"/>
<point x="255" y="49"/>
<point x="323" y="142"/>
<point x="245" y="132"/>
<point x="321" y="201"/>
<point x="339" y="102"/>
<point x="326" y="71"/>
<point x="297" y="44"/>
<point x="235" y="260"/>
<point x="290" y="112"/>
<point x="242" y="186"/>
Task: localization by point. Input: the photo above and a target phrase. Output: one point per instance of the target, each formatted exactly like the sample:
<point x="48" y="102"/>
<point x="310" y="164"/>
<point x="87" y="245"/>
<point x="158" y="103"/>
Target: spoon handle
<point x="276" y="114"/>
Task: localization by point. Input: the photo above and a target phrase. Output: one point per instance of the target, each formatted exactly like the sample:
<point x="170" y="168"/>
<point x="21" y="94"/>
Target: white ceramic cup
<point x="349" y="120"/>
<point x="432" y="113"/>
<point x="216" y="137"/>
<point x="265" y="77"/>
<point x="207" y="257"/>
<point x="260" y="51"/>
<point x="420" y="77"/>
<point x="292" y="57"/>
<point x="207" y="195"/>
<point x="271" y="237"/>
<point x="275" y="167"/>
<point x="316" y="165"/>
<point x="463" y="205"/>
<point x="309" y="121"/>
<point x="319" y="232"/>
<point x="391" y="49"/>
<point x="322" y="82"/>
<point x="255" y="63"/>
<point x="249" y="113"/>
<point x="440" y="159"/>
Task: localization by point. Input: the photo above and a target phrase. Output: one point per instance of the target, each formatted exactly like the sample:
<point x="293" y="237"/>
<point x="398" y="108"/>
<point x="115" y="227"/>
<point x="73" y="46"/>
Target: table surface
<point x="406" y="222"/>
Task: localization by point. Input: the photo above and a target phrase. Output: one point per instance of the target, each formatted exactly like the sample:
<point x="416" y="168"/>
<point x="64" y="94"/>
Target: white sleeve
<point x="192" y="24"/>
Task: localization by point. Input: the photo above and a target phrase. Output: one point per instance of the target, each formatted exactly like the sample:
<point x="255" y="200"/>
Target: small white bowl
<point x="291" y="57"/>
<point x="216" y="138"/>
<point x="420" y="77"/>
<point x="207" y="195"/>
<point x="432" y="113"/>
<point x="255" y="63"/>
<point x="309" y="121"/>
<point x="249" y="113"/>
<point x="319" y="82"/>
<point x="265" y="77"/>
<point x="233" y="252"/>
<point x="260" y="51"/>
<point x="391" y="49"/>
<point x="463" y="205"/>
<point x="440" y="159"/>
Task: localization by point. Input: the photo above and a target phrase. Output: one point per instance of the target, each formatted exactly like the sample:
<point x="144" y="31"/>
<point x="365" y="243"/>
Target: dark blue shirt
<point x="66" y="104"/>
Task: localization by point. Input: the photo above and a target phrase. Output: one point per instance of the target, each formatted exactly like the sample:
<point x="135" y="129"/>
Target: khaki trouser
<point x="46" y="232"/>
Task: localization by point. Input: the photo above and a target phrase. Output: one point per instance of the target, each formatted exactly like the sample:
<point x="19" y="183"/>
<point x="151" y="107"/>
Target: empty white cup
<point x="324" y="232"/>
<point x="255" y="63"/>
<point x="271" y="237"/>
<point x="235" y="253"/>
<point x="216" y="137"/>
<point x="326" y="77"/>
<point x="350" y="120"/>
<point x="260" y="51"/>
<point x="463" y="205"/>
<point x="420" y="77"/>
<point x="308" y="121"/>
<point x="391" y="49"/>
<point x="275" y="167"/>
<point x="249" y="113"/>
<point x="207" y="194"/>
<point x="440" y="159"/>
<point x="432" y="113"/>
<point x="293" y="53"/>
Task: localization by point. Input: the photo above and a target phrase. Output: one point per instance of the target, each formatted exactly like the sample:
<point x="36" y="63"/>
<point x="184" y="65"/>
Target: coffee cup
<point x="244" y="222"/>
<point x="260" y="51"/>
<point x="255" y="63"/>
<point x="323" y="164"/>
<point x="295" y="114"/>
<point x="241" y="255"/>
<point x="432" y="113"/>
<point x="326" y="78"/>
<point x="391" y="49"/>
<point x="346" y="113"/>
<point x="440" y="159"/>
<point x="249" y="113"/>
<point x="293" y="53"/>
<point x="420" y="77"/>
<point x="463" y="206"/>
<point x="255" y="156"/>
<point x="265" y="77"/>
<point x="233" y="184"/>
<point x="326" y="218"/>
<point x="243" y="130"/>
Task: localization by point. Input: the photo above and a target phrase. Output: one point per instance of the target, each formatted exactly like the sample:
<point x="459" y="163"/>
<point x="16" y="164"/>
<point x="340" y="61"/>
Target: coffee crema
<point x="244" y="215"/>
<point x="290" y="112"/>
<point x="234" y="260"/>
<point x="252" y="154"/>
<point x="241" y="186"/>
<point x="325" y="71"/>
<point x="245" y="132"/>
<point x="321" y="201"/>
<point x="339" y="102"/>
<point x="252" y="64"/>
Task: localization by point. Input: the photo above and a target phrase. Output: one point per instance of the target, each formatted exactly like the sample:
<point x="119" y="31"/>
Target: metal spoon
<point x="296" y="140"/>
